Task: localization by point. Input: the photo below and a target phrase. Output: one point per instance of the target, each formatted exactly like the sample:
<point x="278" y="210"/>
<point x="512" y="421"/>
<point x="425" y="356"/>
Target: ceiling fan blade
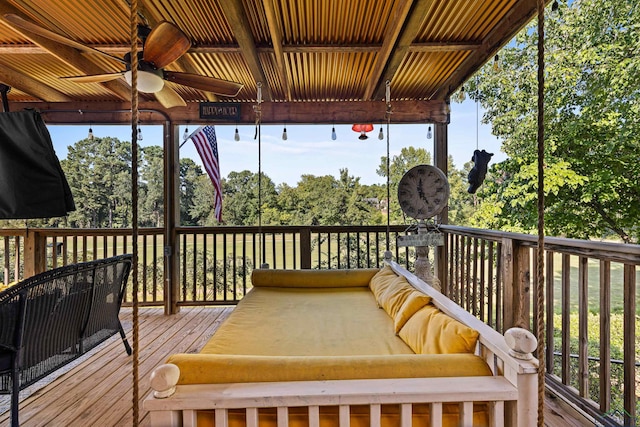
<point x="209" y="84"/>
<point x="165" y="44"/>
<point x="19" y="22"/>
<point x="94" y="78"/>
<point x="169" y="98"/>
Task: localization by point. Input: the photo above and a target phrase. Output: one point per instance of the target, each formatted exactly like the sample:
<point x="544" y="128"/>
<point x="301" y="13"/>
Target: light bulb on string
<point x="139" y="133"/>
<point x="236" y="136"/>
<point x="90" y="135"/>
<point x="555" y="6"/>
<point x="334" y="136"/>
<point x="429" y="134"/>
<point x="496" y="65"/>
<point x="284" y="133"/>
<point x="380" y="134"/>
<point x="185" y="135"/>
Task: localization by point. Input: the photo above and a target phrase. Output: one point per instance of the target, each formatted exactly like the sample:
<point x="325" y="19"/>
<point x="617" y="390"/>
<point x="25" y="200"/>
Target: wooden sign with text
<point x="220" y="111"/>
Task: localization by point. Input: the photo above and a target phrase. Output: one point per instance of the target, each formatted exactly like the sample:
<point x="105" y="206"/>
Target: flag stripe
<point x="207" y="146"/>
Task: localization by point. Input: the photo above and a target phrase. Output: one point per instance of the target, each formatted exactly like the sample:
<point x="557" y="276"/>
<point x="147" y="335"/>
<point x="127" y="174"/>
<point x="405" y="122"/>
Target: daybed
<point x="348" y="347"/>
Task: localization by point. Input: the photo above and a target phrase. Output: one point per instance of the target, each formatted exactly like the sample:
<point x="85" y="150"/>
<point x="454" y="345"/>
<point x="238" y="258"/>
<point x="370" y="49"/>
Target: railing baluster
<point x="491" y="290"/>
<point x="184" y="267"/>
<point x="550" y="305"/>
<point x="630" y="354"/>
<point x="204" y="266"/>
<point x="234" y="280"/>
<point x="583" y="327"/>
<point x="224" y="265"/>
<point x="145" y="261"/>
<point x="566" y="307"/>
<point x="483" y="260"/>
<point x="605" y="336"/>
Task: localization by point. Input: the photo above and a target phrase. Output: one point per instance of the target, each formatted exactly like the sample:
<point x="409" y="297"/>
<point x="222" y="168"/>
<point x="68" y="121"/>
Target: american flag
<point x="205" y="141"/>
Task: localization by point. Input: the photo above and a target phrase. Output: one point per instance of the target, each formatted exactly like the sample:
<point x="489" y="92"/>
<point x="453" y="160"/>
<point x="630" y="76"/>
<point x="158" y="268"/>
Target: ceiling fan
<point x="161" y="46"/>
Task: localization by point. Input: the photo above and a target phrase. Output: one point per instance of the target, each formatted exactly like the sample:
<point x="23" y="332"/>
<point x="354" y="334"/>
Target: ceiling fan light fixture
<point x="148" y="82"/>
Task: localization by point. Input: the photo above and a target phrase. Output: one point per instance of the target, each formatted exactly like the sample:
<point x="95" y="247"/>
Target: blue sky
<point x="309" y="148"/>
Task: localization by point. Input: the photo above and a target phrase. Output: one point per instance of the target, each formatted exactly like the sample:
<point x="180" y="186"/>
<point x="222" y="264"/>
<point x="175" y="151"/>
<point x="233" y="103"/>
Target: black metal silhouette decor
<point x="479" y="171"/>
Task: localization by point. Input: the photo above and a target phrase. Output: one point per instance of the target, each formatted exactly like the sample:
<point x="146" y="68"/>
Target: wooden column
<point x="171" y="218"/>
<point x="517" y="282"/>
<point x="305" y="248"/>
<point x="34" y="253"/>
<point x="441" y="160"/>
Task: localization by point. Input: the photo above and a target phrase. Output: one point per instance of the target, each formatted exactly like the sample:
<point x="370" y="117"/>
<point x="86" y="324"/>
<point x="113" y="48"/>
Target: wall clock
<point x="423" y="192"/>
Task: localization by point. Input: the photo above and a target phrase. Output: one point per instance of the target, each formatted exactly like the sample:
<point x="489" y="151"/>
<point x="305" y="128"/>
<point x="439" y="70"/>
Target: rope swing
<point x="387" y="254"/>
<point x="258" y="135"/>
<point x="134" y="201"/>
<point x="540" y="248"/>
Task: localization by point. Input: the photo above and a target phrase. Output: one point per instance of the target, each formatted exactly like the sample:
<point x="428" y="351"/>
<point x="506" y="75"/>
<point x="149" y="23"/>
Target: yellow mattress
<point x="272" y="321"/>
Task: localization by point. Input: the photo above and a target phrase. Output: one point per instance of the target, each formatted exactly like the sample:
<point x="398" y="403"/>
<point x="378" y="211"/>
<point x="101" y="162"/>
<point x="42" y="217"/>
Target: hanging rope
<point x="134" y="200"/>
<point x="388" y="117"/>
<point x="540" y="249"/>
<point x="258" y="135"/>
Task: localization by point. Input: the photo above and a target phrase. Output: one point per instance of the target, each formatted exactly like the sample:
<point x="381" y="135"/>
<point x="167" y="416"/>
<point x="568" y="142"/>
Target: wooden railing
<point x="591" y="314"/>
<point x="215" y="262"/>
<point x="590" y="287"/>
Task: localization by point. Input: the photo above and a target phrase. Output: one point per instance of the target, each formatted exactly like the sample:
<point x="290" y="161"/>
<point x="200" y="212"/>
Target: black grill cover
<point x="32" y="183"/>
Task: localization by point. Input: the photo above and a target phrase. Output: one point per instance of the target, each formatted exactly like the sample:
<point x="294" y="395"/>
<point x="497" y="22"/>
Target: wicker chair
<point x="52" y="318"/>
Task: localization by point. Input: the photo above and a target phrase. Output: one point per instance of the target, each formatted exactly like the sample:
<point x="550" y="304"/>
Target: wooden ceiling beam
<point x="276" y="40"/>
<point x="239" y="23"/>
<point x="343" y="112"/>
<point x="67" y="54"/>
<point x="398" y="18"/>
<point x="297" y="48"/>
<point x="408" y="35"/>
<point x="509" y="26"/>
<point x="30" y="86"/>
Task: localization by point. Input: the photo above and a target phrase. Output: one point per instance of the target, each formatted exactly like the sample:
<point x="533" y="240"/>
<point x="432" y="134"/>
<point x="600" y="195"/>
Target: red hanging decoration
<point x="363" y="129"/>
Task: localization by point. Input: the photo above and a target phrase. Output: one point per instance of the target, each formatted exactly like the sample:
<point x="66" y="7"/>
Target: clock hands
<point x="421" y="193"/>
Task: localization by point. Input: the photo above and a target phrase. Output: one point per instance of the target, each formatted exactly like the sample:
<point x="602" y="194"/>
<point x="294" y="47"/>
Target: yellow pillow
<point x="381" y="281"/>
<point x="304" y="278"/>
<point x="430" y="331"/>
<point x="414" y="302"/>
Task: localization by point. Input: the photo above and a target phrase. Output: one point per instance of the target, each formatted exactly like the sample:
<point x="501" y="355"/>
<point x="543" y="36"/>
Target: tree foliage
<point x="592" y="112"/>
<point x="99" y="174"/>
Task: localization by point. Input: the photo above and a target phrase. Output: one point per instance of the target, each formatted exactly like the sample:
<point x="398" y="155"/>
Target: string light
<point x="429" y="134"/>
<point x="284" y="133"/>
<point x="496" y="65"/>
<point x="555" y="6"/>
<point x="380" y="134"/>
<point x="334" y="136"/>
<point x="185" y="135"/>
<point x="139" y="133"/>
<point x="90" y="135"/>
<point x="236" y="136"/>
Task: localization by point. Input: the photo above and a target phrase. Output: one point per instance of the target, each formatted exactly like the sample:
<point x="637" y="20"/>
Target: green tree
<point x="151" y="190"/>
<point x="99" y="173"/>
<point x="461" y="203"/>
<point x="190" y="178"/>
<point x="592" y="119"/>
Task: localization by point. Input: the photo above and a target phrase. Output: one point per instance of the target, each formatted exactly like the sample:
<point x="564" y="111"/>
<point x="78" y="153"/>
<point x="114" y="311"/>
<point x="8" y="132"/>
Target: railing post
<point x="305" y="248"/>
<point x="34" y="253"/>
<point x="171" y="218"/>
<point x="441" y="157"/>
<point x="517" y="282"/>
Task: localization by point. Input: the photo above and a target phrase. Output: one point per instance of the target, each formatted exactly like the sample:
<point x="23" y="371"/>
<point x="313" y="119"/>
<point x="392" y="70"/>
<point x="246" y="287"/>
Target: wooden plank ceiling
<point x="322" y="56"/>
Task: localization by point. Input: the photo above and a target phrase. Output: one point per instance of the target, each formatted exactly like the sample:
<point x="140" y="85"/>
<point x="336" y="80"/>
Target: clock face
<point x="423" y="192"/>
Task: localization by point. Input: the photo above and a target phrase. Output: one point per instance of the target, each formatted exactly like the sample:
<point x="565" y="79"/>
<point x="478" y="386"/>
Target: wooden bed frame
<point x="511" y="392"/>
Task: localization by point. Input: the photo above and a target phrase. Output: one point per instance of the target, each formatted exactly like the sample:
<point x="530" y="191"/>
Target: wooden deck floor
<point x="98" y="391"/>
